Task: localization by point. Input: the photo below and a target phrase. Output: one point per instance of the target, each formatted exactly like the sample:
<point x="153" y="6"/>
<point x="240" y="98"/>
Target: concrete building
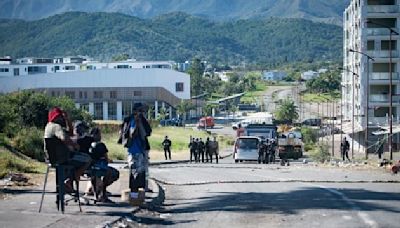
<point x="107" y="93"/>
<point x="370" y="27"/>
<point x="308" y="75"/>
<point x="273" y="75"/>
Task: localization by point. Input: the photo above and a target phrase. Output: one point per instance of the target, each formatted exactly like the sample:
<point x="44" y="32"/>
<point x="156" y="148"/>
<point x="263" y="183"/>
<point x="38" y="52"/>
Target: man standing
<point x="201" y="147"/>
<point x="167" y="147"/>
<point x="345" y="147"/>
<point x="192" y="149"/>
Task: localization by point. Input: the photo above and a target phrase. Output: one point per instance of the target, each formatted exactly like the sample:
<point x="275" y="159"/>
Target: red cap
<point x="54" y="113"/>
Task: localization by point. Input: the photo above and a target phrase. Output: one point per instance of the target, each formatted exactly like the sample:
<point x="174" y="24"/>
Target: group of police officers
<point x="199" y="148"/>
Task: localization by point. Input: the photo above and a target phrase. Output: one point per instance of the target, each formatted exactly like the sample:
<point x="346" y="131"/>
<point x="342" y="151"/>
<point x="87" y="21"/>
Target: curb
<point x="181" y="161"/>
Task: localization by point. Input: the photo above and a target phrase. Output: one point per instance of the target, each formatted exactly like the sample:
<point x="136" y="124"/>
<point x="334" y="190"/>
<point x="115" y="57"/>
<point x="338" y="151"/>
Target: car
<point x="246" y="148"/>
<point x="312" y="122"/>
<point x="206" y="122"/>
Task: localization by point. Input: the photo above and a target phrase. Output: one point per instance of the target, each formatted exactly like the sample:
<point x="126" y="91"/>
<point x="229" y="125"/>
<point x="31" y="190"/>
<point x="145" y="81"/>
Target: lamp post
<point x="391" y="31"/>
<point x="367" y="98"/>
<point x="352" y="112"/>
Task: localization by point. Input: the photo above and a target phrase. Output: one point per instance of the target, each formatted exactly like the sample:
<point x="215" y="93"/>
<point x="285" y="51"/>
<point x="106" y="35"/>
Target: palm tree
<point x="288" y="111"/>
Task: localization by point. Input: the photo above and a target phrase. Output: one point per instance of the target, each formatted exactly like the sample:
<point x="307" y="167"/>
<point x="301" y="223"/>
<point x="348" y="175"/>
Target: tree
<point x="196" y="74"/>
<point x="183" y="108"/>
<point x="288" y="111"/>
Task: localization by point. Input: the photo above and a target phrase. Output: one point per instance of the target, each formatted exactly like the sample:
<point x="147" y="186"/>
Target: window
<point x="82" y="95"/>
<point x="112" y="111"/>
<point x="126" y="108"/>
<point x="69" y="67"/>
<point x="385" y="45"/>
<point x="122" y="66"/>
<point x="70" y="94"/>
<point x="16" y="71"/>
<point x="113" y="94"/>
<point x="37" y="69"/>
<point x="137" y="93"/>
<point x="98" y="94"/>
<point x="85" y="107"/>
<point x="179" y="87"/>
<point x="98" y="111"/>
<point x="4" y="70"/>
<point x="370" y="45"/>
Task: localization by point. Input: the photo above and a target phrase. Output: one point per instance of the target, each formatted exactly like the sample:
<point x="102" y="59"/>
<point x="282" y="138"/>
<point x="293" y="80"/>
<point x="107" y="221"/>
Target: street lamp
<point x="352" y="112"/>
<point x="367" y="98"/>
<point x="391" y="31"/>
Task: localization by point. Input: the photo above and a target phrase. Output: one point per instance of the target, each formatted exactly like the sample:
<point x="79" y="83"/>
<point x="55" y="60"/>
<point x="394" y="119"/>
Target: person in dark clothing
<point x="345" y="147"/>
<point x="207" y="150"/>
<point x="201" y="147"/>
<point x="192" y="149"/>
<point x="167" y="147"/>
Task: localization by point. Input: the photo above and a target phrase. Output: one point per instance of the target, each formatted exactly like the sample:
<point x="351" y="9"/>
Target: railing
<point x="379" y="31"/>
<point x="383" y="76"/>
<point x="383" y="98"/>
<point x="383" y="9"/>
<point x="383" y="54"/>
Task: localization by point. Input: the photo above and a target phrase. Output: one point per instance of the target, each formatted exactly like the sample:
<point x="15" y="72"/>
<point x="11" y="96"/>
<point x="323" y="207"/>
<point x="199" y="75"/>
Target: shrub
<point x="310" y="135"/>
<point x="320" y="153"/>
<point x="30" y="142"/>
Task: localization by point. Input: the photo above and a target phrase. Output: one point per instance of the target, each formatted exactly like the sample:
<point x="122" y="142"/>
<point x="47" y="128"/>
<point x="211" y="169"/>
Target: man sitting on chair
<point x="59" y="128"/>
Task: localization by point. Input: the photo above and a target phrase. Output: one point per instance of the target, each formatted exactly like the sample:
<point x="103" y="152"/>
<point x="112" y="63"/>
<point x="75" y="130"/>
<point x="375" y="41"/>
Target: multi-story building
<point x="106" y="90"/>
<point x="370" y="29"/>
<point x="273" y="75"/>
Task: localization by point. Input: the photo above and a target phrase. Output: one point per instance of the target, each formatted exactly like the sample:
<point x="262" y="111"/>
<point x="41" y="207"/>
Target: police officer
<point x="167" y="147"/>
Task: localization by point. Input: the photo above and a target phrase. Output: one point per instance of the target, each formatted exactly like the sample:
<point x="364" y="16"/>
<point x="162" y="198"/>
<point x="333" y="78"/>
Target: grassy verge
<point x="320" y="97"/>
<point x="254" y="96"/>
<point x="9" y="162"/>
<point x="179" y="136"/>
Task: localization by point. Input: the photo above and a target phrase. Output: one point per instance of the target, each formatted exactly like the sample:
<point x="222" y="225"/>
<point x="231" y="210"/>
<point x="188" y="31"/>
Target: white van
<point x="246" y="149"/>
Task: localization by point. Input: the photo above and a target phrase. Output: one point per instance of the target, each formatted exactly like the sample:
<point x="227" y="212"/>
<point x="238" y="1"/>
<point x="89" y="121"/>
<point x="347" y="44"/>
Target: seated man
<point x="98" y="152"/>
<point x="56" y="128"/>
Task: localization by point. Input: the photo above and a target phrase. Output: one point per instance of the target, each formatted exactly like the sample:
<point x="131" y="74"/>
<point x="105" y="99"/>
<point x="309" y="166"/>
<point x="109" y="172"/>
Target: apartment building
<point x="106" y="90"/>
<point x="371" y="30"/>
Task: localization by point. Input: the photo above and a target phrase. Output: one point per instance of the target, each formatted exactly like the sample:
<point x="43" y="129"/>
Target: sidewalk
<point x="21" y="208"/>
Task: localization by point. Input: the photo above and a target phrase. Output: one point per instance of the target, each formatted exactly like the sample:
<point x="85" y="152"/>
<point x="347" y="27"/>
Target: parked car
<point x="246" y="149"/>
<point x="171" y="122"/>
<point x="312" y="122"/>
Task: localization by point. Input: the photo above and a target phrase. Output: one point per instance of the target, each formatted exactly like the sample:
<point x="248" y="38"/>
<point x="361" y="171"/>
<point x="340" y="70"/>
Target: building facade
<point x="108" y="93"/>
<point x="273" y="75"/>
<point x="370" y="29"/>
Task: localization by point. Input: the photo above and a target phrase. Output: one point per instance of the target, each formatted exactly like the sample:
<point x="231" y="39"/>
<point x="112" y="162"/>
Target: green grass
<point x="12" y="163"/>
<point x="178" y="135"/>
<point x="320" y="97"/>
<point x="255" y="95"/>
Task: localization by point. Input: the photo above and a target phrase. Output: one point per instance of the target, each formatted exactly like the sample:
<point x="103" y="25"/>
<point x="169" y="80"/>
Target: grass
<point x="320" y="97"/>
<point x="255" y="95"/>
<point x="9" y="162"/>
<point x="178" y="135"/>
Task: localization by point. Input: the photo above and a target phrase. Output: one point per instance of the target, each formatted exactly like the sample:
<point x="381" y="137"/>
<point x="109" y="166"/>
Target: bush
<point x="11" y="163"/>
<point x="321" y="153"/>
<point x="29" y="141"/>
<point x="310" y="136"/>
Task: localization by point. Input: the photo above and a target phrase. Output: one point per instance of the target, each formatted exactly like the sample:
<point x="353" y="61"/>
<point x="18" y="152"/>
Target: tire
<point x="236" y="161"/>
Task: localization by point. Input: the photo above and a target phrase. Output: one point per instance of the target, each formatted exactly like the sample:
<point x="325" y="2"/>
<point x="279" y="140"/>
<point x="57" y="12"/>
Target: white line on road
<point x="363" y="216"/>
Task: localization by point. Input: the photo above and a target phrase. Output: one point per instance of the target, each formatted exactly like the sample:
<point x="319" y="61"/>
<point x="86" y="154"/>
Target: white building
<point x="308" y="75"/>
<point x="273" y="75"/>
<point x="370" y="27"/>
<point x="106" y="93"/>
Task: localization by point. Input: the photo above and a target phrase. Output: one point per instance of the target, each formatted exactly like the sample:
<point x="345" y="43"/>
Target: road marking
<point x="362" y="215"/>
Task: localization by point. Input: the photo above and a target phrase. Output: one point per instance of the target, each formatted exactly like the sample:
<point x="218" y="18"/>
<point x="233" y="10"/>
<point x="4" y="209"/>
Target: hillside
<point x="175" y="36"/>
<point x="316" y="10"/>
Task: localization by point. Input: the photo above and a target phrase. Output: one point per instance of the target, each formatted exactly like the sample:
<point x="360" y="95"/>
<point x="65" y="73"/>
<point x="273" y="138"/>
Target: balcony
<point x="376" y="76"/>
<point x="382" y="98"/>
<point x="379" y="31"/>
<point x="383" y="9"/>
<point x="383" y="54"/>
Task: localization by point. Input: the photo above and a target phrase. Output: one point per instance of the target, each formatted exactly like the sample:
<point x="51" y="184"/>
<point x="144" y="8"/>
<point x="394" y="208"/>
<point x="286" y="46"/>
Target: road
<point x="253" y="195"/>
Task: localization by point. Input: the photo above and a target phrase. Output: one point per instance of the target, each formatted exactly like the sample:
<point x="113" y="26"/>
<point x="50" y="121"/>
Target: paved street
<point x="253" y="195"/>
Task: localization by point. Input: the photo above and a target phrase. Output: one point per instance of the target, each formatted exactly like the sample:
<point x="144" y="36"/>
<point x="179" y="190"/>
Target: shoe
<point x="105" y="200"/>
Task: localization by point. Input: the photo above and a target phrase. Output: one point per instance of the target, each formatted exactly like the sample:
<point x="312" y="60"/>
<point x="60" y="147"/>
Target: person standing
<point x="208" y="150"/>
<point x="239" y="131"/>
<point x="201" y="148"/>
<point x="167" y="147"/>
<point x="345" y="147"/>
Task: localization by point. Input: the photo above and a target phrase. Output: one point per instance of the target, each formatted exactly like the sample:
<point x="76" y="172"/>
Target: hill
<point x="317" y="10"/>
<point x="175" y="36"/>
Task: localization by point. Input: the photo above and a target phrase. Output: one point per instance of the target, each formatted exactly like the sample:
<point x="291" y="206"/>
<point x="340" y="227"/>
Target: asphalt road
<point x="253" y="195"/>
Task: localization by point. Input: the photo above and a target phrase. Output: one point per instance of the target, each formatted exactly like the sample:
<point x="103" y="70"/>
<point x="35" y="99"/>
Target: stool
<point x="60" y="189"/>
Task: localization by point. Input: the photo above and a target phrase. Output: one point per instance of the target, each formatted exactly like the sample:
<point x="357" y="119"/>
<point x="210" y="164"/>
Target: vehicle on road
<point x="268" y="135"/>
<point x="246" y="148"/>
<point x="290" y="145"/>
<point x="206" y="122"/>
<point x="312" y="122"/>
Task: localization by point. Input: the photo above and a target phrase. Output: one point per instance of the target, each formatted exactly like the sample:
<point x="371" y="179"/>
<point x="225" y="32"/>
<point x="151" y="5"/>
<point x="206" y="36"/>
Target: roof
<point x="229" y="97"/>
<point x="347" y="127"/>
